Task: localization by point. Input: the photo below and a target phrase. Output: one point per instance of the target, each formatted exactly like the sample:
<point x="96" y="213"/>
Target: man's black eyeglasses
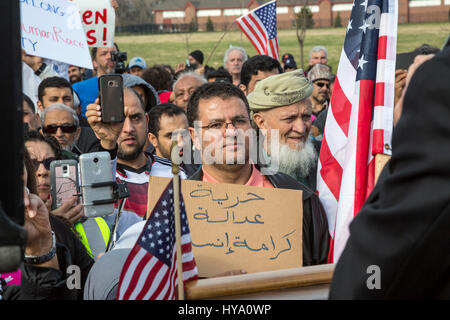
<point x="237" y="123"/>
<point x="321" y="84"/>
<point x="65" y="127"/>
<point x="45" y="162"/>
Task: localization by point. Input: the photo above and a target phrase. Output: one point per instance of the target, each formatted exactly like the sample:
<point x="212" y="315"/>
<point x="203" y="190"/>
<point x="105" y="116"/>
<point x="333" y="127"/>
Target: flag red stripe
<point x="136" y="275"/>
<point x="370" y="177"/>
<point x="127" y="263"/>
<point x="272" y="49"/>
<point x="331" y="251"/>
<point x="161" y="282"/>
<point x="149" y="279"/>
<point x="341" y="107"/>
<point x="331" y="170"/>
<point x="365" y="108"/>
<point x="173" y="274"/>
<point x="382" y="47"/>
<point x="258" y="26"/>
<point x="379" y="94"/>
<point x="254" y="36"/>
<point x="377" y="141"/>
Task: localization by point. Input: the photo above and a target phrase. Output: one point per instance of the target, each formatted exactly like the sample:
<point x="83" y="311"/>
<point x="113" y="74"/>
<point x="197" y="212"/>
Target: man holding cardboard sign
<point x="219" y="122"/>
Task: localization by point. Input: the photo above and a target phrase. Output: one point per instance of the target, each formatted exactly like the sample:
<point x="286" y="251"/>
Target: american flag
<point x="360" y="119"/>
<point x="150" y="271"/>
<point x="260" y="26"/>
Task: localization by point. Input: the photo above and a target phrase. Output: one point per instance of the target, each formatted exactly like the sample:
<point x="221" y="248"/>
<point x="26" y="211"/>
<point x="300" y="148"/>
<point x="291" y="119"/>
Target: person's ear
<point x="77" y="134"/>
<point x="40" y="105"/>
<point x="38" y="118"/>
<point x="153" y="139"/>
<point x="259" y="120"/>
<point x="196" y="138"/>
<point x="243" y="88"/>
<point x="94" y="64"/>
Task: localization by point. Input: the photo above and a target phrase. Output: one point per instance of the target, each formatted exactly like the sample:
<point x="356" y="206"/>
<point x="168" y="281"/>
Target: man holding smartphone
<point x="127" y="139"/>
<point x="103" y="63"/>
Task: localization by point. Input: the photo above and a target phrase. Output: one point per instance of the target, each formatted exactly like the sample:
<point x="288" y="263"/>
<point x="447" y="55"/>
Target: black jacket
<point x="39" y="283"/>
<point x="403" y="227"/>
<point x="316" y="238"/>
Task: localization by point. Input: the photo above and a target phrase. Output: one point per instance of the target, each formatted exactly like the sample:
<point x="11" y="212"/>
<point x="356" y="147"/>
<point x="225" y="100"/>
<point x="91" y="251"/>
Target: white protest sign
<point x="99" y="21"/>
<point x="52" y="29"/>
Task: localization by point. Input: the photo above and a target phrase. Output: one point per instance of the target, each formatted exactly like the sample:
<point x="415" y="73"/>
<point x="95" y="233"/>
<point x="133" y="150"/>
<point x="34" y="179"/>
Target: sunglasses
<point x="45" y="162"/>
<point x="321" y="84"/>
<point x="66" y="128"/>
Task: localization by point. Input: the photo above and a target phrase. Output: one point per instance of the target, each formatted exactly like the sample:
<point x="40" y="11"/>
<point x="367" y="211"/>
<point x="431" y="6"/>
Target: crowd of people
<point x="162" y="105"/>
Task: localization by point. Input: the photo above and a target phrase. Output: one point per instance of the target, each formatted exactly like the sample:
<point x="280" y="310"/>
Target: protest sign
<point x="98" y="18"/>
<point x="239" y="227"/>
<point x="52" y="29"/>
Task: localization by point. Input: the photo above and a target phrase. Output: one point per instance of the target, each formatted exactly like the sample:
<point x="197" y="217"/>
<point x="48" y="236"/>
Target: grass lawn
<point x="172" y="49"/>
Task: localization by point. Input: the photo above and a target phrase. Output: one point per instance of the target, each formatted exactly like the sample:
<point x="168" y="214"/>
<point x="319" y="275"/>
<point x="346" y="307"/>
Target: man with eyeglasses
<point x="58" y="90"/>
<point x="220" y="127"/>
<point x="320" y="76"/>
<point x="61" y="122"/>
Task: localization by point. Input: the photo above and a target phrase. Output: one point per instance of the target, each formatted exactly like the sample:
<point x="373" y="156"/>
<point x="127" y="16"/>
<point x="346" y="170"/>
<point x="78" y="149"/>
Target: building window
<point x="209" y="13"/>
<point x="342" y="7"/>
<point x="313" y="9"/>
<point x="173" y="14"/>
<point x="424" y="3"/>
<point x="235" y="12"/>
<point x="282" y="10"/>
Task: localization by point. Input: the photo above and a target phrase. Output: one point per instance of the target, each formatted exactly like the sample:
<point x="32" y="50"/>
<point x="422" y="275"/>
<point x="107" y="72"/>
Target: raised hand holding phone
<point x="107" y="133"/>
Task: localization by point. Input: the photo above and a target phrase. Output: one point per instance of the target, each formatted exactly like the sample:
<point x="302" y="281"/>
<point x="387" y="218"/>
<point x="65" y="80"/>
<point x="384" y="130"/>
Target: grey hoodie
<point x="130" y="80"/>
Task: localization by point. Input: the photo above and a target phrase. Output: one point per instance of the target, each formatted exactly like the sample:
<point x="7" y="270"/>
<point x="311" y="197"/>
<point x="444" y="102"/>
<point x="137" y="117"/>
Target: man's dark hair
<point x="94" y="53"/>
<point x="158" y="77"/>
<point x="210" y="90"/>
<point x="29" y="102"/>
<point x="427" y="49"/>
<point x="95" y="49"/>
<point x="258" y="63"/>
<point x="52" y="82"/>
<point x="220" y="75"/>
<point x="155" y="114"/>
<point x="138" y="96"/>
<point x="50" y="140"/>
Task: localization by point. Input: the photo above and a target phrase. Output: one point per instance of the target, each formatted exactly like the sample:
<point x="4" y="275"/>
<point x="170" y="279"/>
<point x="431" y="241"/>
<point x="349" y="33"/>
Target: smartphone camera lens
<point x="95" y="160"/>
<point x="64" y="169"/>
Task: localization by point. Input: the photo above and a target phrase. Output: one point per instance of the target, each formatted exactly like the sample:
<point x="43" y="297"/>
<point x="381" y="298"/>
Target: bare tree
<point x="300" y="28"/>
<point x="136" y="11"/>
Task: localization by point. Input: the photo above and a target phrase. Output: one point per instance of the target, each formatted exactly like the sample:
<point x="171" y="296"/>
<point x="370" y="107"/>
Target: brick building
<point x="224" y="12"/>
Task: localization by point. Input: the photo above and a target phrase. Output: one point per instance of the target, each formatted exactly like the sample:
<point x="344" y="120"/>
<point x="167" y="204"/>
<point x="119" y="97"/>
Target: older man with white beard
<point x="281" y="107"/>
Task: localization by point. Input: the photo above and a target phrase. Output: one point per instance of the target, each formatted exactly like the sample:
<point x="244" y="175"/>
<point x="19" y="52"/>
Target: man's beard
<point x="74" y="79"/>
<point x="130" y="154"/>
<point x="321" y="98"/>
<point x="297" y="163"/>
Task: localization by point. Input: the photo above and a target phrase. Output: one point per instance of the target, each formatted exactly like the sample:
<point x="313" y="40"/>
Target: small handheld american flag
<point x="260" y="27"/>
<point x="150" y="271"/>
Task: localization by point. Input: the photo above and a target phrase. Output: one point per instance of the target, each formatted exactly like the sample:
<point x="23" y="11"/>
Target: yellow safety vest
<point x="94" y="234"/>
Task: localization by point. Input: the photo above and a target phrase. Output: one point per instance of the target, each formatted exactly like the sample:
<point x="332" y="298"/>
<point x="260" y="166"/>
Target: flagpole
<point x="176" y="161"/>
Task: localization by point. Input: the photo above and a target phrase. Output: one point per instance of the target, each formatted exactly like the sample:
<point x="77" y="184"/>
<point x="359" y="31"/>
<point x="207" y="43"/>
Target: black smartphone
<point x="111" y="98"/>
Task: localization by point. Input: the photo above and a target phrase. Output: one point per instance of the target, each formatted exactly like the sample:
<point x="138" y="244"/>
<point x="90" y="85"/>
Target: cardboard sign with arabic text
<point x="239" y="227"/>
